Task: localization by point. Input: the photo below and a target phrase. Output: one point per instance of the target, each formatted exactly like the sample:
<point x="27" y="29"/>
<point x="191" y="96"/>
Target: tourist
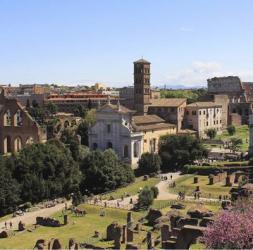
<point x="5" y="225"/>
<point x="171" y="176"/>
<point x="10" y="225"/>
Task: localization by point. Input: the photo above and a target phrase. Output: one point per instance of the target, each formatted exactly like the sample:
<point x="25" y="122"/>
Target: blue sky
<point x="82" y="41"/>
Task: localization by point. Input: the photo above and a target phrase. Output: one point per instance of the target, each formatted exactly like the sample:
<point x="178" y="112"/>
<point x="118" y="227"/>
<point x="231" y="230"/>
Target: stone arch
<point x="73" y="123"/>
<point x="66" y="124"/>
<point x="18" y="118"/>
<point x="126" y="151"/>
<point x="29" y="140"/>
<point x="7" y="144"/>
<point x="17" y="144"/>
<point x="7" y="118"/>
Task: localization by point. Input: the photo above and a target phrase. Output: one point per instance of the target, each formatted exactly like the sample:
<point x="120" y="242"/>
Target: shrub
<point x="211" y="133"/>
<point x="146" y="198"/>
<point x="155" y="191"/>
<point x="231" y="130"/>
<point x="149" y="163"/>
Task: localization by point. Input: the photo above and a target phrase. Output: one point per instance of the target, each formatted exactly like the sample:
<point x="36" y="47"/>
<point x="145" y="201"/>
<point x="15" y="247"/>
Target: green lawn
<point x="185" y="184"/>
<point x="241" y="132"/>
<point x="132" y="189"/>
<point x="80" y="228"/>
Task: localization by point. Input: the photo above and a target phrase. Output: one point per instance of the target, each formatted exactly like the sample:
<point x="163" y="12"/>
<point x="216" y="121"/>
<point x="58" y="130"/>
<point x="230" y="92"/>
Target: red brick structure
<point x="17" y="127"/>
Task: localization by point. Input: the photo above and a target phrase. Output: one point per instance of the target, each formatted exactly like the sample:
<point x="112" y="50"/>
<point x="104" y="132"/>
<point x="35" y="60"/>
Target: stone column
<point x="124" y="234"/>
<point x="130" y="235"/>
<point x="65" y="219"/>
<point x="165" y="232"/>
<point x="150" y="244"/>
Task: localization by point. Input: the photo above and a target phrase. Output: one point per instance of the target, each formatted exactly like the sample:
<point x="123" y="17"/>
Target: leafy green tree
<point x="46" y="171"/>
<point x="80" y="111"/>
<point x="149" y="163"/>
<point x="9" y="190"/>
<point x="51" y="108"/>
<point x="211" y="133"/>
<point x="177" y="151"/>
<point x="155" y="191"/>
<point x="231" y="130"/>
<point x="235" y="143"/>
<point x="145" y="198"/>
<point x="102" y="171"/>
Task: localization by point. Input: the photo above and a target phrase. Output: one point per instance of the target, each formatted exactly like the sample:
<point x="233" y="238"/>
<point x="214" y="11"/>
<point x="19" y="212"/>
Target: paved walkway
<point x="29" y="218"/>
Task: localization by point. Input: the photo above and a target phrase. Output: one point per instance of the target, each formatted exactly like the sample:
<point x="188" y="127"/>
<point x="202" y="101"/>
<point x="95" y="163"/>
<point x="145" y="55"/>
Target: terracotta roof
<point x="167" y="102"/>
<point x="149" y="122"/>
<point x="204" y="105"/>
<point x="142" y="61"/>
<point x="146" y="119"/>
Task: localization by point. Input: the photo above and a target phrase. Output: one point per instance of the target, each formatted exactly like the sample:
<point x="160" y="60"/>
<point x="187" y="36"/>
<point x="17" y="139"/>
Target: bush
<point x="149" y="163"/>
<point x="211" y="133"/>
<point x="146" y="198"/>
<point x="155" y="191"/>
<point x="231" y="130"/>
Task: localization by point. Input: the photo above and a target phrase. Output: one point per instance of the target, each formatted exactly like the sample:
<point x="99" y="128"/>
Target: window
<point x="194" y="112"/>
<point x="7" y="144"/>
<point x="18" y="118"/>
<point x="152" y="145"/>
<point x="17" y="144"/>
<point x="126" y="151"/>
<point x="108" y="128"/>
<point x="136" y="149"/>
<point x="7" y="118"/>
<point x="187" y="112"/>
<point x="109" y="145"/>
<point x="204" y="112"/>
<point x="206" y="123"/>
<point x="172" y="109"/>
<point x="95" y="146"/>
<point x="200" y="112"/>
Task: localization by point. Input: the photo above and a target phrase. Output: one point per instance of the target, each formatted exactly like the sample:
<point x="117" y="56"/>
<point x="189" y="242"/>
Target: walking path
<point x="29" y="218"/>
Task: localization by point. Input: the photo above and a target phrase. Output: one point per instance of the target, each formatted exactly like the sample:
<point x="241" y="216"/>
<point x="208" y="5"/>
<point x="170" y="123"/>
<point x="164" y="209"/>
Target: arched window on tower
<point x="18" y="118"/>
<point x="7" y="118"/>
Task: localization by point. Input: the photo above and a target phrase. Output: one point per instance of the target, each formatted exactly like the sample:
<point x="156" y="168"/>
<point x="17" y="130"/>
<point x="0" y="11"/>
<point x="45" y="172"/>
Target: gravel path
<point x="29" y="218"/>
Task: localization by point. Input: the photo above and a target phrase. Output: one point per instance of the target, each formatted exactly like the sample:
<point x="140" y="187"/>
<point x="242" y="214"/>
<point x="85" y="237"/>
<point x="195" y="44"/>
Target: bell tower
<point x="141" y="86"/>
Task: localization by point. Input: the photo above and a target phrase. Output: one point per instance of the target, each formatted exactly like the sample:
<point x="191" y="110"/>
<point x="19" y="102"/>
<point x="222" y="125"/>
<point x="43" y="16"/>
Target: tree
<point x="9" y="190"/>
<point x="145" y="198"/>
<point x="149" y="163"/>
<point x="235" y="143"/>
<point x="45" y="171"/>
<point x="102" y="171"/>
<point x="177" y="151"/>
<point x="80" y="111"/>
<point x="232" y="229"/>
<point x="231" y="130"/>
<point x="155" y="191"/>
<point x="211" y="133"/>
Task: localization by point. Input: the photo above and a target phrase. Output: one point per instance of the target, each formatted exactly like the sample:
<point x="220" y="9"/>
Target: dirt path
<point x="29" y="218"/>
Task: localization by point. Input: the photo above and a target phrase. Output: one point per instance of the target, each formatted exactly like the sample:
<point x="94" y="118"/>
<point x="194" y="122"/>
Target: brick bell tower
<point x="141" y="86"/>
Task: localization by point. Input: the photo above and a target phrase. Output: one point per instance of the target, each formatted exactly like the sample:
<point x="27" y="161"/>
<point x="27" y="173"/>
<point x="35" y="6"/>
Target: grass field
<point x="80" y="228"/>
<point x="132" y="189"/>
<point x="185" y="184"/>
<point x="241" y="132"/>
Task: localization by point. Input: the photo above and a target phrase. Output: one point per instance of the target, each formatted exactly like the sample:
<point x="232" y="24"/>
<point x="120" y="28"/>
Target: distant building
<point x="235" y="96"/>
<point x="68" y="101"/>
<point x="99" y="86"/>
<point x="17" y="127"/>
<point x="201" y="116"/>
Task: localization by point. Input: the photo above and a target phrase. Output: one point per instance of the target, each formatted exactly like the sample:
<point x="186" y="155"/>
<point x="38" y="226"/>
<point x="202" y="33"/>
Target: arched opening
<point x="109" y="145"/>
<point x="126" y="154"/>
<point x="66" y="124"/>
<point x="17" y="144"/>
<point x="95" y="146"/>
<point x="73" y="123"/>
<point x="7" y="144"/>
<point x="7" y="118"/>
<point x="136" y="149"/>
<point x="18" y="118"/>
<point x="29" y="140"/>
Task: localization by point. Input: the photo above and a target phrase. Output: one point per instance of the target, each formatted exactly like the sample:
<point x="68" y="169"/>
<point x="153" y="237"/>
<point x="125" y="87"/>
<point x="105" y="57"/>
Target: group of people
<point x="6" y="225"/>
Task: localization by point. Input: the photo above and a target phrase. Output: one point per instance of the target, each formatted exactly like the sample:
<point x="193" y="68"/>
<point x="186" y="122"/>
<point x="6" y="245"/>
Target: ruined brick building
<point x="235" y="96"/>
<point x="17" y="127"/>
